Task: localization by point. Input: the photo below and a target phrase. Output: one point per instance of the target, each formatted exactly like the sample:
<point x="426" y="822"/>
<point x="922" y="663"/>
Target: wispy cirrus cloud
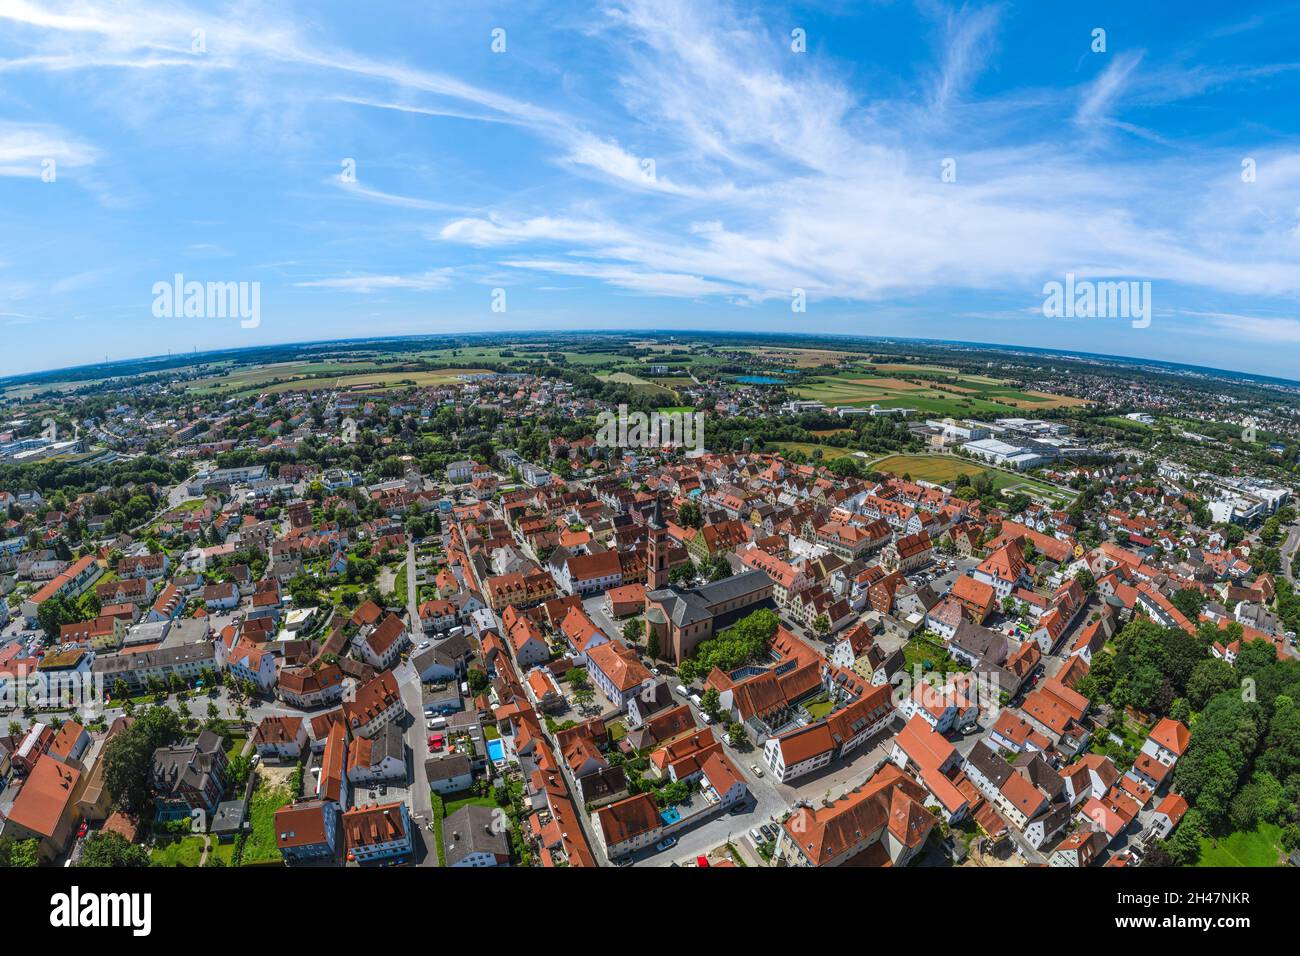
<point x="366" y="284"/>
<point x="25" y="147"/>
<point x="659" y="148"/>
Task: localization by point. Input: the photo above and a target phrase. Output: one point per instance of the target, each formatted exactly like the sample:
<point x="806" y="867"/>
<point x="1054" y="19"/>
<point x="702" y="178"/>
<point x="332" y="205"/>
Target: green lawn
<point x="1259" y="847"/>
<point x="187" y="851"/>
<point x="183" y="852"/>
<point x="929" y="656"/>
<point x="236" y="746"/>
<point x="261" y="846"/>
<point x="820" y="708"/>
<point x="454" y="801"/>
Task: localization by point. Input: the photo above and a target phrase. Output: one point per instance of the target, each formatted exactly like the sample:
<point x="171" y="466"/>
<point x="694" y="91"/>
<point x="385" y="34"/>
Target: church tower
<point x="657" y="552"/>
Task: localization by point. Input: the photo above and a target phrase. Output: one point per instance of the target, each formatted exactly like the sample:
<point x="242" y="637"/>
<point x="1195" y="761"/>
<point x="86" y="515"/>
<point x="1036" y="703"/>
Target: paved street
<point x="1289" y="547"/>
<point x="417" y="744"/>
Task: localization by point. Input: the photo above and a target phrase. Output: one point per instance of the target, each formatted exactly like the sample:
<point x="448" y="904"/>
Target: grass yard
<point x="172" y="852"/>
<point x="1259" y="847"/>
<point x="260" y="846"/>
<point x="236" y="746"/>
<point x="820" y="708"/>
<point x="187" y="851"/>
<point x="455" y="801"/>
<point x="929" y="657"/>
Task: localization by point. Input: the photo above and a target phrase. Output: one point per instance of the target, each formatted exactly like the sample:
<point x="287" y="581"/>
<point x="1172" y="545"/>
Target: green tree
<point x="128" y="757"/>
<point x="634" y="630"/>
<point x="710" y="704"/>
<point x="1208" y="679"/>
<point x="18" y="853"/>
<point x="108" y="849"/>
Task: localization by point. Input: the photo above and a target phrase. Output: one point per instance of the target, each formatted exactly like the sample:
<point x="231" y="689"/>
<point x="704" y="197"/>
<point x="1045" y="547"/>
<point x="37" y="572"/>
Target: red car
<point x="436" y="741"/>
<point x="81" y="831"/>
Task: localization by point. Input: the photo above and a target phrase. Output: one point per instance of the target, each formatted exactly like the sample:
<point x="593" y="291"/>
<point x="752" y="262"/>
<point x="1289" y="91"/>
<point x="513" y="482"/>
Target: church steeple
<point x="657" y="550"/>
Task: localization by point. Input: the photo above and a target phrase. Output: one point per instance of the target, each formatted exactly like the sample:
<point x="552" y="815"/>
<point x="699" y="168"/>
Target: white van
<point x="437" y="723"/>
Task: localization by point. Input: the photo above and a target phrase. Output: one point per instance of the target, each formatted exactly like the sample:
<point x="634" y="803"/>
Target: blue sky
<point x="643" y="164"/>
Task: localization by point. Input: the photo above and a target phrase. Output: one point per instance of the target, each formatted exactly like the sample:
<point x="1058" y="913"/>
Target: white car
<point x="758" y="771"/>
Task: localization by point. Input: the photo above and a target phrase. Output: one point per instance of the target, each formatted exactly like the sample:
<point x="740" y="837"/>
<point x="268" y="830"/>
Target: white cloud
<point x="366" y="284"/>
<point x="25" y="146"/>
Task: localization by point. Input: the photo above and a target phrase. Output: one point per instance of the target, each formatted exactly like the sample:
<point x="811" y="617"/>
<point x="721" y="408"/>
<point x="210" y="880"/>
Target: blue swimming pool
<point x="671" y="815"/>
<point x="496" y="750"/>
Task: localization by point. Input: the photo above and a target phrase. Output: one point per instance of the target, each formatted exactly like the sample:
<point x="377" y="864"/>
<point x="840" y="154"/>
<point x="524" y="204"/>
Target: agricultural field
<point x="803" y="358"/>
<point x="643" y="385"/>
<point x="964" y="396"/>
<point x="520" y="352"/>
<point x="324" y="375"/>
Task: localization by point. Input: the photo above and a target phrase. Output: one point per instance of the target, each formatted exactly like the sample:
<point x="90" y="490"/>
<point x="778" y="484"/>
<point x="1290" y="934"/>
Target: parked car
<point x="757" y="770"/>
<point x="666" y="843"/>
<point x="769" y="831"/>
<point x="756" y="835"/>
